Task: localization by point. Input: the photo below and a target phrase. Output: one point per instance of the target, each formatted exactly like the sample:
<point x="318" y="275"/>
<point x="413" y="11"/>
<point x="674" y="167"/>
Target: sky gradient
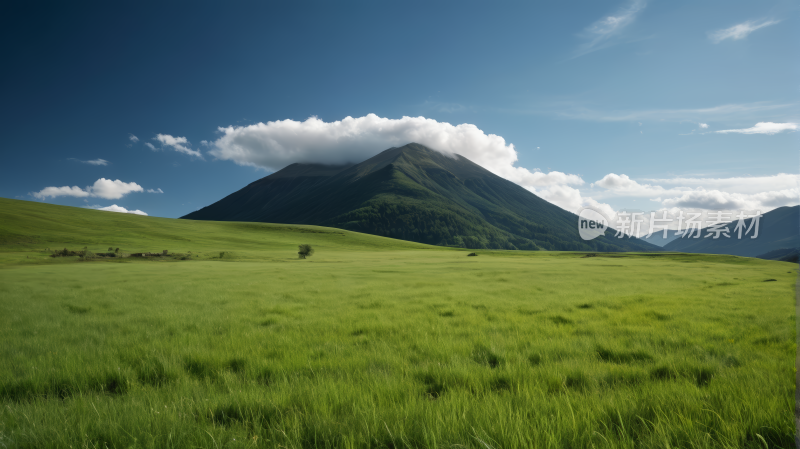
<point x="636" y="105"/>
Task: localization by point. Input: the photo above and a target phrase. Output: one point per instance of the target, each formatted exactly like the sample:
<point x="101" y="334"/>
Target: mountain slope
<point x="658" y="238"/>
<point x="33" y="226"/>
<point x="779" y="228"/>
<point x="783" y="255"/>
<point x="413" y="193"/>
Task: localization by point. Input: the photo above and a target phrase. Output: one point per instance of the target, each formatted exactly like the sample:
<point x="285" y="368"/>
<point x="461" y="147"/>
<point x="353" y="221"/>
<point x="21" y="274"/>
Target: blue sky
<point x="617" y="105"/>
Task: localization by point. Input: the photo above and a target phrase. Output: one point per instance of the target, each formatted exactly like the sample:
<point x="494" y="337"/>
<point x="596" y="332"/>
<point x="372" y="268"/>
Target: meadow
<point x="375" y="342"/>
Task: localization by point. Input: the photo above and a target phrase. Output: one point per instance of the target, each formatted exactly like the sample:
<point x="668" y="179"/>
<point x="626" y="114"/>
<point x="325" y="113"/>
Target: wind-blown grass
<point x="375" y="345"/>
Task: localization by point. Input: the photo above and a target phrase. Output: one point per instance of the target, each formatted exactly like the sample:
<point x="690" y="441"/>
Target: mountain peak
<point x="413" y="193"/>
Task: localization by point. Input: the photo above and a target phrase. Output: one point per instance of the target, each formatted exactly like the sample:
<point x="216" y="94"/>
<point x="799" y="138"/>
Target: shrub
<point x="305" y="251"/>
<point x="471" y="254"/>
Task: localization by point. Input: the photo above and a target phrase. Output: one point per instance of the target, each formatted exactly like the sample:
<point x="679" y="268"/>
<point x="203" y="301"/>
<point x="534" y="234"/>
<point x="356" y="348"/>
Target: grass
<point x="374" y="342"/>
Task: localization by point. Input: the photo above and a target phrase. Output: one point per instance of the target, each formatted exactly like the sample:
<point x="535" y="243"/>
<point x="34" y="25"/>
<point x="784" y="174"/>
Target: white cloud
<point x="113" y="190"/>
<point x="115" y="208"/>
<point x="737" y="184"/>
<point x="102" y="188"/>
<point x="739" y="31"/>
<point x="62" y="191"/>
<point x="613" y="181"/>
<point x="133" y="138"/>
<point x="725" y="112"/>
<point x="737" y="193"/>
<point x="717" y="200"/>
<point x="92" y="162"/>
<point x="179" y="144"/>
<point x="571" y="199"/>
<point x="273" y="145"/>
<point x="151" y="146"/>
<point x="600" y="33"/>
<point x="704" y="125"/>
<point x="763" y="128"/>
<point x="158" y="190"/>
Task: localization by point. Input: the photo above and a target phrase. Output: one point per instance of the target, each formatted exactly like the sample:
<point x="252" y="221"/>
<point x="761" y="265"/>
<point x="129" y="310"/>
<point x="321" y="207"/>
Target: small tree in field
<point x="304" y="251"/>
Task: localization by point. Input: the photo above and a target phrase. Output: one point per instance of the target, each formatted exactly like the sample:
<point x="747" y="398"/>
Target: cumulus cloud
<point x="179" y="144"/>
<point x="704" y="125"/>
<point x="115" y="208"/>
<point x="571" y="199"/>
<point x="102" y="188"/>
<point x="158" y="190"/>
<point x="151" y="146"/>
<point x="625" y="186"/>
<point x="92" y="162"/>
<point x="763" y="128"/>
<point x="133" y="138"/>
<point x="740" y="31"/>
<point x="600" y="33"/>
<point x="53" y="192"/>
<point x="113" y="190"/>
<point x="273" y="145"/>
<point x="613" y="181"/>
<point x="736" y="193"/>
<point x="717" y="200"/>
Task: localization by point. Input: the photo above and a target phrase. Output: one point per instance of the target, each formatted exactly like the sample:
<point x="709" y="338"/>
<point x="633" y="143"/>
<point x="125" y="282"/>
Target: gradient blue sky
<point x="585" y="88"/>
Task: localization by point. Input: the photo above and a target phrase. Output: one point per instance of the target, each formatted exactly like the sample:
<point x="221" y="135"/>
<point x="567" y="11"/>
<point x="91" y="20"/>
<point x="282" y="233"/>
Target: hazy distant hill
<point x="783" y="255"/>
<point x="658" y="237"/>
<point x="779" y="228"/>
<point x="413" y="193"/>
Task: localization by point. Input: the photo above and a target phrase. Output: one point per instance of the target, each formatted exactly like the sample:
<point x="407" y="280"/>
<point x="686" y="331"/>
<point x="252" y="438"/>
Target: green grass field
<point x="374" y="342"/>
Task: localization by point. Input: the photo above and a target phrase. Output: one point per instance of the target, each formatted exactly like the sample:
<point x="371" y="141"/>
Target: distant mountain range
<point x="783" y="255"/>
<point x="413" y="193"/>
<point x="778" y="229"/>
<point x="658" y="237"/>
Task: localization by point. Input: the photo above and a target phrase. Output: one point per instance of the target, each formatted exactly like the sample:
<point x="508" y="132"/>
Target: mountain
<point x="783" y="255"/>
<point x="658" y="237"/>
<point x="779" y="228"/>
<point x="413" y="193"/>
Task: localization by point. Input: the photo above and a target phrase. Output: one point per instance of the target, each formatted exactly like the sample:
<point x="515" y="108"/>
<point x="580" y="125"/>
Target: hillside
<point x="779" y="228"/>
<point x="27" y="226"/>
<point x="783" y="255"/>
<point x="417" y="194"/>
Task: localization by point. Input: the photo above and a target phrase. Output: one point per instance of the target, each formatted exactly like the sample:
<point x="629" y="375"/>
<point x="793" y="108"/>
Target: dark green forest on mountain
<point x="417" y="194"/>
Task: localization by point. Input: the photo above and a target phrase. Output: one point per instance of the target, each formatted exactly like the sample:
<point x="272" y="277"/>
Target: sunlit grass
<point x="377" y="345"/>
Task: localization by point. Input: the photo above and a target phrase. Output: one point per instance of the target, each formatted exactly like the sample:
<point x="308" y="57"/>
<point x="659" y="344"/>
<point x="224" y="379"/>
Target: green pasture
<point x="374" y="342"/>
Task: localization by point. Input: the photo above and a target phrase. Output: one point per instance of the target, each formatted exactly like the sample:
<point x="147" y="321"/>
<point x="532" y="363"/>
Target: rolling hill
<point x="32" y="226"/>
<point x="413" y="193"/>
<point x="778" y="229"/>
